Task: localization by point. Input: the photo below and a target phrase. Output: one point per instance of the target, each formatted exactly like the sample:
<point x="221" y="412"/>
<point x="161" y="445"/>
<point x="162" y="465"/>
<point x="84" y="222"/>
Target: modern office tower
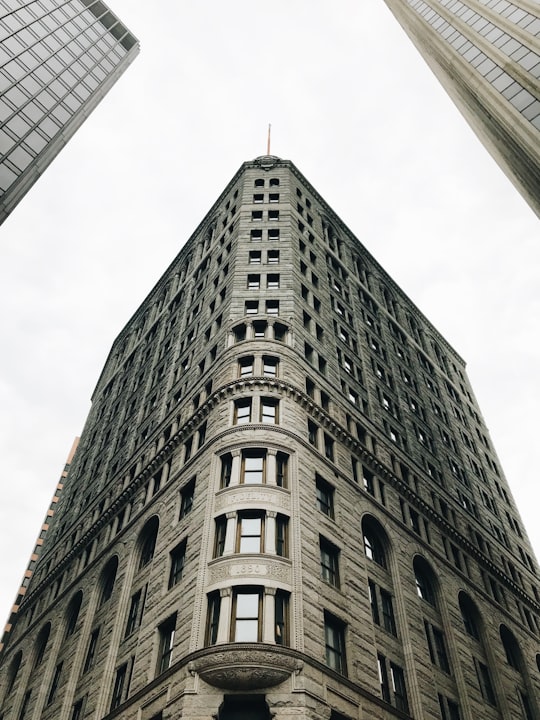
<point x="58" y="58"/>
<point x="284" y="503"/>
<point x="486" y="53"/>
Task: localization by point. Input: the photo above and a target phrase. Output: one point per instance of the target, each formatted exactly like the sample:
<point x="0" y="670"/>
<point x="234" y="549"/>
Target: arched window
<point x="147" y="541"/>
<point x="511" y="648"/>
<point x="41" y="644"/>
<point x="108" y="578"/>
<point x="425" y="581"/>
<point x="470" y="615"/>
<point x="13" y="671"/>
<point x="72" y="614"/>
<point x="374" y="542"/>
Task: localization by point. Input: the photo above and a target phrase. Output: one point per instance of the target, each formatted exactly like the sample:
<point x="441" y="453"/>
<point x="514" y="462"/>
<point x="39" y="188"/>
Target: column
<point x="269" y="616"/>
<point x="271" y="467"/>
<point x="235" y="468"/>
<point x="230" y="533"/>
<point x="270" y="533"/>
<point x="224" y="615"/>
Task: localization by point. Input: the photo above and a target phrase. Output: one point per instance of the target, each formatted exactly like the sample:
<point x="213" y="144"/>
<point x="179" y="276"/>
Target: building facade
<point x="284" y="502"/>
<point x="486" y="54"/>
<point x="57" y="61"/>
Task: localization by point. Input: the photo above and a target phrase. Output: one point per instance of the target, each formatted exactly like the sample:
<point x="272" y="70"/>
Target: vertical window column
<point x="270" y="532"/>
<point x="271" y="467"/>
<point x="249" y="330"/>
<point x="235" y="469"/>
<point x="230" y="533"/>
<point x="271" y="333"/>
<point x="269" y="615"/>
<point x="224" y="615"/>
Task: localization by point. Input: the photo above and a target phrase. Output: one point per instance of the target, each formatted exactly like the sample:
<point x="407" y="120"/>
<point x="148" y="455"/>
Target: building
<point x="284" y="502"/>
<point x="57" y="61"/>
<point x="486" y="54"/>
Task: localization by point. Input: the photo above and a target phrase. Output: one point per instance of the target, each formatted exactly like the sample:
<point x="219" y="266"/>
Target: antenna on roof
<point x="268" y="141"/>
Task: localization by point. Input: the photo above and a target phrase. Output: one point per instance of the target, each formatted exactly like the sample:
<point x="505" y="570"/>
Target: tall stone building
<point x="486" y="53"/>
<point x="58" y="58"/>
<point x="284" y="503"/>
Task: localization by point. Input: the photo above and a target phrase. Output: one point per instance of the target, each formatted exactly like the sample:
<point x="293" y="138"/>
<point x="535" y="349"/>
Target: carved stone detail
<point x="246" y="494"/>
<point x="245" y="668"/>
<point x="260" y="567"/>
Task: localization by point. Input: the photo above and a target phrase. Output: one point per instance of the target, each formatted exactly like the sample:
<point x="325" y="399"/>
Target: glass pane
<point x="246" y="631"/>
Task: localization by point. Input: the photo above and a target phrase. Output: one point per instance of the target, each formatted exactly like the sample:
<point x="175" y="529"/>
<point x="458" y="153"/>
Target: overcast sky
<point x="354" y="107"/>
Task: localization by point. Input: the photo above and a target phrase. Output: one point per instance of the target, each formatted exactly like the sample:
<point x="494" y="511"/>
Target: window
<point x="91" y="652"/>
<point x="246" y="615"/>
<point x="256" y="235"/>
<point x="329" y="562"/>
<point x="282" y="617"/>
<point x="424" y="585"/>
<point x="272" y="307"/>
<point x="272" y="257"/>
<point x="398" y="686"/>
<point x="259" y="328"/>
<point x="373" y="547"/>
<point x="242" y="411"/>
<point x="214" y="606"/>
<point x="437" y="647"/>
<point x="254" y="257"/>
<point x="382" y="609"/>
<point x="77" y="710"/>
<point x="73" y="613"/>
<point x="251" y="307"/>
<point x="253" y="282"/>
<point x="259" y="182"/>
<point x="256" y="215"/>
<point x="186" y="498"/>
<point x="13" y="672"/>
<point x="108" y="579"/>
<point x="41" y="644"/>
<point x="258" y="198"/>
<point x="245" y="366"/>
<point x="282" y="524"/>
<point x="282" y="462"/>
<point x="221" y="533"/>
<point x="484" y="681"/>
<point x="269" y="411"/>
<point x="383" y="678"/>
<point x="272" y="282"/>
<point x="334" y="637"/>
<point x="325" y="497"/>
<point x="250" y="533"/>
<point x="270" y="366"/>
<point x="253" y="467"/>
<point x="449" y="709"/>
<point x="178" y="557"/>
<point x="118" y="688"/>
<point x="273" y="197"/>
<point x="273" y="234"/>
<point x="273" y="214"/>
<point x="135" y="612"/>
<point x="166" y="644"/>
<point x="148" y="542"/>
<point x="274" y="182"/>
<point x="55" y="683"/>
<point x="328" y="447"/>
<point x="25" y="703"/>
<point x="226" y="470"/>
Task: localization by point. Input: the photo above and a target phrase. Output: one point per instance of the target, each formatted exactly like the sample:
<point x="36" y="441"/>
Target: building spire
<point x="268" y="140"/>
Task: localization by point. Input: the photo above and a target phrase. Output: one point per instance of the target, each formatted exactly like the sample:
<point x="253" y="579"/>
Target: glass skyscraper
<point x="57" y="61"/>
<point x="486" y="53"/>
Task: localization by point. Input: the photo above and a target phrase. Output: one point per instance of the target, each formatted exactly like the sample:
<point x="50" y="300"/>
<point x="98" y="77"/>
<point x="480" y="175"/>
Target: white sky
<point x="355" y="108"/>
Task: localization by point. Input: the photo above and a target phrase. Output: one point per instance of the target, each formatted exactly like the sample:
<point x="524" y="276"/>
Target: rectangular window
<point x="178" y="557"/>
<point x="282" y="462"/>
<point x="398" y="686"/>
<point x="253" y="467"/>
<point x="484" y="680"/>
<point x="329" y="562"/>
<point x="186" y="498"/>
<point x="272" y="307"/>
<point x="272" y="257"/>
<point x="254" y="257"/>
<point x="221" y="531"/>
<point x="256" y="215"/>
<point x="325" y="497"/>
<point x="245" y="367"/>
<point x="226" y="470"/>
<point x="328" y="447"/>
<point x="55" y="683"/>
<point x="258" y="198"/>
<point x="251" y="307"/>
<point x="272" y="282"/>
<point x="269" y="411"/>
<point x="214" y="606"/>
<point x="334" y="637"/>
<point x="273" y="214"/>
<point x="273" y="197"/>
<point x="383" y="678"/>
<point x="282" y="617"/>
<point x="135" y="612"/>
<point x="253" y="282"/>
<point x="166" y="644"/>
<point x="77" y="710"/>
<point x="387" y="612"/>
<point x="246" y="616"/>
<point x="273" y="234"/>
<point x="270" y="366"/>
<point x="256" y="235"/>
<point x="250" y="533"/>
<point x="242" y="411"/>
<point x="440" y="650"/>
<point x="91" y="652"/>
<point x="282" y="524"/>
<point x="118" y="687"/>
